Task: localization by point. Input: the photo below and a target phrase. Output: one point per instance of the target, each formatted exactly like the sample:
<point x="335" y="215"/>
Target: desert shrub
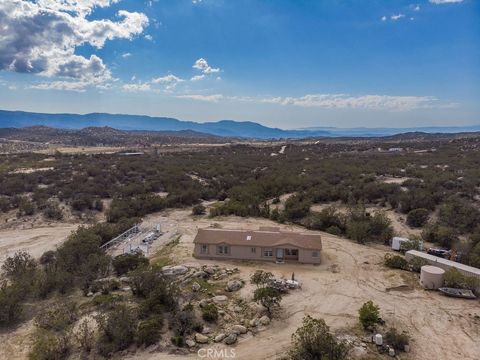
<point x="184" y="322"/>
<point x="396" y="340"/>
<point x="85" y="335"/>
<point x="210" y="313"/>
<point x="455" y="279"/>
<point x="369" y="314"/>
<point x="442" y="235"/>
<point x="416" y="264"/>
<point x="417" y="217"/>
<point x="117" y="330"/>
<point x="334" y="230"/>
<point x="178" y="340"/>
<point x="149" y="330"/>
<point x="313" y="340"/>
<point x="11" y="307"/>
<point x="19" y="265"/>
<point x="296" y="207"/>
<point x="395" y="261"/>
<point x="57" y="317"/>
<point x="198" y="209"/>
<point x="53" y="211"/>
<point x="49" y="346"/>
<point x="268" y="297"/>
<point x="128" y="262"/>
<point x="261" y="278"/>
<point x="26" y="208"/>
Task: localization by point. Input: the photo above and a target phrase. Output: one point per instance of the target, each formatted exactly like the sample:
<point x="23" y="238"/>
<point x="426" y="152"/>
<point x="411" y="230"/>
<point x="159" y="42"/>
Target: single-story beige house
<point x="267" y="244"/>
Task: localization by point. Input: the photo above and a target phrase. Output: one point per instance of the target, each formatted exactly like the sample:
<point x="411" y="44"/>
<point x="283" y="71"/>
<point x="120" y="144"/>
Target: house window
<point x="253" y="250"/>
<point x="291" y="252"/>
<point x="314" y="253"/>
<point x="223" y="249"/>
<point x="204" y="249"/>
<point x="268" y="252"/>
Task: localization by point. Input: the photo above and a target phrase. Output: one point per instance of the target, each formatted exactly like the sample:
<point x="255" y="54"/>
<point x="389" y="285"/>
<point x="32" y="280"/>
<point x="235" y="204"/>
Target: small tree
<point x="314" y="341"/>
<point x="126" y="262"/>
<point x="369" y="314"/>
<point x="19" y="265"/>
<point x="261" y="278"/>
<point x="268" y="297"/>
<point x="85" y="336"/>
<point x="395" y="261"/>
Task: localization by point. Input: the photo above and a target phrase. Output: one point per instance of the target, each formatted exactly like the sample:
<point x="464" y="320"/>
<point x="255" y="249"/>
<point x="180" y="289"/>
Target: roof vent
<point x="249" y="237"/>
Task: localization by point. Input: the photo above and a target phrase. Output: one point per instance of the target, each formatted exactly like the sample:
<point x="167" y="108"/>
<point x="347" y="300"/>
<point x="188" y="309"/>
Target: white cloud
<point x="136" y="87"/>
<point x="167" y="79"/>
<point x="343" y="101"/>
<point x="209" y="98"/>
<point x="78" y="86"/>
<point x="197" y="77"/>
<point x="397" y="17"/>
<point x="41" y="38"/>
<point x="384" y="18"/>
<point x="202" y="64"/>
<point x="438" y="2"/>
<point x="148" y="37"/>
<point x="126" y="55"/>
<point x="416" y="8"/>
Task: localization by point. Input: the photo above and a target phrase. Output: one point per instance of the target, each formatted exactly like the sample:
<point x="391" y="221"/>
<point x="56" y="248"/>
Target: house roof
<point x="261" y="238"/>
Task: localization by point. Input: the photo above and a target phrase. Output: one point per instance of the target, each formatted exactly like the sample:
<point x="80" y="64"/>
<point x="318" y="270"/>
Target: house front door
<point x="280" y="254"/>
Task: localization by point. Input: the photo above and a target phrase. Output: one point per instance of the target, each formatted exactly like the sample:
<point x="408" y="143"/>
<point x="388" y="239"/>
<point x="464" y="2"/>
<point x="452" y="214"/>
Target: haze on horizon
<point x="280" y="63"/>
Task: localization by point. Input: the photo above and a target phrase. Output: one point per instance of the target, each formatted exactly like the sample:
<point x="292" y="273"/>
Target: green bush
<point x="417" y="217"/>
<point x="11" y="307"/>
<point x="57" y="317"/>
<point x="395" y="261"/>
<point x="369" y="314"/>
<point x="416" y="264"/>
<point x="49" y="346"/>
<point x="455" y="279"/>
<point x="210" y="313"/>
<point x="314" y="341"/>
<point x="117" y="330"/>
<point x="124" y="263"/>
<point x="178" y="341"/>
<point x="149" y="330"/>
<point x="396" y="340"/>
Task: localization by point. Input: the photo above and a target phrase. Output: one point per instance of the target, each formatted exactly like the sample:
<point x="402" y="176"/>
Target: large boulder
<point x="234" y="285"/>
<point x="174" y="270"/>
<point x="239" y="329"/>
<point x="264" y="320"/>
<point x="220" y="299"/>
<point x="254" y="322"/>
<point x="201" y="339"/>
<point x="209" y="270"/>
<point x="190" y="343"/>
<point x="201" y="274"/>
<point x="204" y="302"/>
<point x="230" y="339"/>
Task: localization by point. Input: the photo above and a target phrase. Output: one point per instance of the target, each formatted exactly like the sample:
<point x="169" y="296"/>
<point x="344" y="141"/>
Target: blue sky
<point x="282" y="63"/>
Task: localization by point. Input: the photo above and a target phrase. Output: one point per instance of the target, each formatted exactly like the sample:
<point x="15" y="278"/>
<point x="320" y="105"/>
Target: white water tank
<point x="431" y="277"/>
<point x="379" y="339"/>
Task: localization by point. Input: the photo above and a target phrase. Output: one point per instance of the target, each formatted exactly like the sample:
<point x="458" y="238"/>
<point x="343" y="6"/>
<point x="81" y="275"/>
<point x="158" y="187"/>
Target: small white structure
<point x="379" y="339"/>
<point x="431" y="277"/>
<point x="132" y="248"/>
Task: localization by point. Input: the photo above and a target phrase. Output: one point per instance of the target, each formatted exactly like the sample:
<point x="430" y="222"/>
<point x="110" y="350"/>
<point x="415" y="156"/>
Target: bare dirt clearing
<point x="35" y="241"/>
<point x="351" y="274"/>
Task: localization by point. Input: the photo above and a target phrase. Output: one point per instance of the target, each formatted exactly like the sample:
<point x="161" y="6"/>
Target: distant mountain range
<point x="225" y="128"/>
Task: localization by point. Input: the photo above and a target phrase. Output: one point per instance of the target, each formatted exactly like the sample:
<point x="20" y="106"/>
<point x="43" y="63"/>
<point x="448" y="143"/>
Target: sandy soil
<point x="351" y="274"/>
<point x="35" y="241"/>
